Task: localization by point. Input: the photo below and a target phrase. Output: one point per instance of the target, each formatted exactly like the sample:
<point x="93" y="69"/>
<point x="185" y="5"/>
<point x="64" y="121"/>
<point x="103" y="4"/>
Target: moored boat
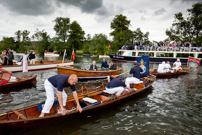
<point x="37" y="65"/>
<point x="103" y="56"/>
<point x="87" y="74"/>
<point x="27" y="118"/>
<point x="169" y="74"/>
<point x="23" y="81"/>
<point x="128" y="54"/>
<point x="51" y="54"/>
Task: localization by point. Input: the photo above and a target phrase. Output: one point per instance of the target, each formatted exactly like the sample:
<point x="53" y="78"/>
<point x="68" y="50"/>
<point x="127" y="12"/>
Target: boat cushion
<point x="109" y="92"/>
<point x="138" y="82"/>
<point x="90" y="100"/>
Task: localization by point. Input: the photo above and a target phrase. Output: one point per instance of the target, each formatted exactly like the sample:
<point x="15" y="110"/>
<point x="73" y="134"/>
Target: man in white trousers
<point x="136" y="74"/>
<point x="116" y="85"/>
<point x="55" y="85"/>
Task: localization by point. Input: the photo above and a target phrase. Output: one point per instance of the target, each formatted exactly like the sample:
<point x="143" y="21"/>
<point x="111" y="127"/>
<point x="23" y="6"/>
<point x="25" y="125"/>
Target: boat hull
<point x="151" y="59"/>
<point x="87" y="74"/>
<point x="35" y="67"/>
<point x="23" y="82"/>
<point x="14" y="126"/>
<point x="169" y="74"/>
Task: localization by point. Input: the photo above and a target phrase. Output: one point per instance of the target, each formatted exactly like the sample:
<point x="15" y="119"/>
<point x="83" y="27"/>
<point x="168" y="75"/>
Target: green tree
<point x="98" y="44"/>
<point x="62" y="28"/>
<point x="18" y="38"/>
<point x="25" y="40"/>
<point x="76" y="36"/>
<point x="7" y="42"/>
<point x="86" y="45"/>
<point x="187" y="29"/>
<point x="121" y="33"/>
<point x="140" y="36"/>
<point x="42" y="40"/>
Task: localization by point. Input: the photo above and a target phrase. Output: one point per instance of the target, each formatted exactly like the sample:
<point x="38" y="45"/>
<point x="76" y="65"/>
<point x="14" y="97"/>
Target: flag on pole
<point x="193" y="62"/>
<point x="65" y="54"/>
<point x="73" y="54"/>
<point x="144" y="60"/>
<point x="109" y="46"/>
<point x="24" y="66"/>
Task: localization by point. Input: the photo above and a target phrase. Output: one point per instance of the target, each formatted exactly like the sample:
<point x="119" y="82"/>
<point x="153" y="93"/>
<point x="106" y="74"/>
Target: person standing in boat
<point x="116" y="85"/>
<point x="93" y="66"/>
<point x="10" y="57"/>
<point x="32" y="58"/>
<point x="55" y="85"/>
<point x="104" y="65"/>
<point x="177" y="65"/>
<point x="136" y="74"/>
<point x="4" y="58"/>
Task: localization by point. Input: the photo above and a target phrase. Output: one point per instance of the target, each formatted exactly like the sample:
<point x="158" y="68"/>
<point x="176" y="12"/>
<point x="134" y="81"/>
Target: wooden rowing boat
<point x="27" y="118"/>
<point x="23" y="81"/>
<point x="169" y="74"/>
<point x="87" y="74"/>
<point x="37" y="66"/>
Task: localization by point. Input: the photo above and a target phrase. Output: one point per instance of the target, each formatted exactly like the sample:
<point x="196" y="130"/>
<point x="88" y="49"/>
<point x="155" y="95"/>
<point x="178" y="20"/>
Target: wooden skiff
<point x="27" y="118"/>
<point x="87" y="74"/>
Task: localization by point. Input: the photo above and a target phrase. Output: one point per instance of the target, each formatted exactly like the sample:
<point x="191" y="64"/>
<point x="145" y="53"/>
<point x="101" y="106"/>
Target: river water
<point x="170" y="107"/>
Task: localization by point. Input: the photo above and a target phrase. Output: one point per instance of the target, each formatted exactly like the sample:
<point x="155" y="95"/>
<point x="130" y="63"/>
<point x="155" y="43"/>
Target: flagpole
<point x="63" y="57"/>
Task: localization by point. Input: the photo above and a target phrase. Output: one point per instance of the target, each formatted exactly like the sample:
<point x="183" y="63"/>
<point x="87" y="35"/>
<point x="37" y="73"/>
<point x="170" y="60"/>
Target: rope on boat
<point x="19" y="116"/>
<point x="122" y="73"/>
<point x="73" y="108"/>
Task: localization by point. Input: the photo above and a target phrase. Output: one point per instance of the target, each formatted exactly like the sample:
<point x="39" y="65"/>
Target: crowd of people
<point x="104" y="66"/>
<point x="7" y="57"/>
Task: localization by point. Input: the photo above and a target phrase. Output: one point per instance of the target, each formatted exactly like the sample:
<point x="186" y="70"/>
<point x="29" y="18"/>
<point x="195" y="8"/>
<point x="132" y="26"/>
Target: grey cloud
<point x="29" y="7"/>
<point x="87" y="6"/>
<point x="143" y="11"/>
<point x="160" y="11"/>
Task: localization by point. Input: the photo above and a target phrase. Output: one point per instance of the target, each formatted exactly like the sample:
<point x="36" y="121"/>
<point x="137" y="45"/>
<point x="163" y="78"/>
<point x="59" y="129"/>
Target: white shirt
<point x="167" y="67"/>
<point x="161" y="68"/>
<point x="177" y="65"/>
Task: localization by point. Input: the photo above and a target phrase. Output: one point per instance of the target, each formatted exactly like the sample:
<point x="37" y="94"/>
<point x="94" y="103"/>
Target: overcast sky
<point x="94" y="16"/>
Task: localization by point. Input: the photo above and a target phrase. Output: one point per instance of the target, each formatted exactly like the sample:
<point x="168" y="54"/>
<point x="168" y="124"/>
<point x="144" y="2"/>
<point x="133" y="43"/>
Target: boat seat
<point x="89" y="100"/>
<point x="138" y="82"/>
<point x="108" y="92"/>
<point x="5" y="77"/>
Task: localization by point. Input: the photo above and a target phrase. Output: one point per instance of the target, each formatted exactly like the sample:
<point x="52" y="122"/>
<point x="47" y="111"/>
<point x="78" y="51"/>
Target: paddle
<point x="119" y="74"/>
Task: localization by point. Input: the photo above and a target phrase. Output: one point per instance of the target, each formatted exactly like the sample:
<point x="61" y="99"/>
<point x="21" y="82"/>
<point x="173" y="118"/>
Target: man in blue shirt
<point x="136" y="74"/>
<point x="104" y="65"/>
<point x="116" y="85"/>
<point x="54" y="85"/>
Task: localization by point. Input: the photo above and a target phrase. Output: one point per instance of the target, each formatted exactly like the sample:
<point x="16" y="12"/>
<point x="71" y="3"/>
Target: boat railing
<point x="163" y="48"/>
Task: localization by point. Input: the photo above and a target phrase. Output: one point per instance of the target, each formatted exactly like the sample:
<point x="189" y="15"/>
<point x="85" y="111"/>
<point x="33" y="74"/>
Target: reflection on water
<point x="171" y="106"/>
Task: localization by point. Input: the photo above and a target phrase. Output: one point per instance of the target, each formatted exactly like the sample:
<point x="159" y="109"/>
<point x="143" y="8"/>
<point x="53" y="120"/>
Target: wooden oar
<point x="119" y="74"/>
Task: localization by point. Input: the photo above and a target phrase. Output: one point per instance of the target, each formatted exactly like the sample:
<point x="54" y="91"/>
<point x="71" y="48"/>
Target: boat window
<point x="151" y="54"/>
<point x="186" y="55"/>
<point x="134" y="54"/>
<point x="164" y="54"/>
<point x="199" y="56"/>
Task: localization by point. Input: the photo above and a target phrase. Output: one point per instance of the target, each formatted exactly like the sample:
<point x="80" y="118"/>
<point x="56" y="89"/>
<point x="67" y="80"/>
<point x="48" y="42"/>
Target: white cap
<point x="178" y="59"/>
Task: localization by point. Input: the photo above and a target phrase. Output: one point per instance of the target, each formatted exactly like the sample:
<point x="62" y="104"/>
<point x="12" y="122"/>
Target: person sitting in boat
<point x="54" y="85"/>
<point x="167" y="67"/>
<point x="161" y="68"/>
<point x="112" y="66"/>
<point x="136" y="74"/>
<point x="41" y="61"/>
<point x="104" y="65"/>
<point x="116" y="85"/>
<point x="177" y="65"/>
<point x="93" y="66"/>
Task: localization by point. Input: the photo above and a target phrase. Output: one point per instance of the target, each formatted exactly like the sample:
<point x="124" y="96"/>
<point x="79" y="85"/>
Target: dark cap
<point x="121" y="78"/>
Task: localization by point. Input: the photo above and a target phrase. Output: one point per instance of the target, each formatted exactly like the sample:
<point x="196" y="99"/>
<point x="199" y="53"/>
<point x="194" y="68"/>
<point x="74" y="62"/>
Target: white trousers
<point x="50" y="91"/>
<point x="32" y="61"/>
<point x="117" y="90"/>
<point x="130" y="80"/>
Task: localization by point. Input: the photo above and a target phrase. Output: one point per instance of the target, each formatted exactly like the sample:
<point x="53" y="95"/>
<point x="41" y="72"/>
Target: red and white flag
<point x="73" y="54"/>
<point x="109" y="46"/>
<point x="193" y="62"/>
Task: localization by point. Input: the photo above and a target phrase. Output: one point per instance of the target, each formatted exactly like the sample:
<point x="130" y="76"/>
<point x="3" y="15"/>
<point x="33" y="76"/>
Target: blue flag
<point x="66" y="54"/>
<point x="144" y="60"/>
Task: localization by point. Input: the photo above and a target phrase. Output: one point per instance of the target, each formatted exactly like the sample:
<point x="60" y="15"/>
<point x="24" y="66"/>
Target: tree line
<point x="71" y="35"/>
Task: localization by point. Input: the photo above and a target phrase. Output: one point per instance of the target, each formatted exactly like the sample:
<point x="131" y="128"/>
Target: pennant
<point x="144" y="60"/>
<point x="65" y="54"/>
<point x="193" y="62"/>
<point x="73" y="54"/>
<point x="25" y="66"/>
<point x="109" y="46"/>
